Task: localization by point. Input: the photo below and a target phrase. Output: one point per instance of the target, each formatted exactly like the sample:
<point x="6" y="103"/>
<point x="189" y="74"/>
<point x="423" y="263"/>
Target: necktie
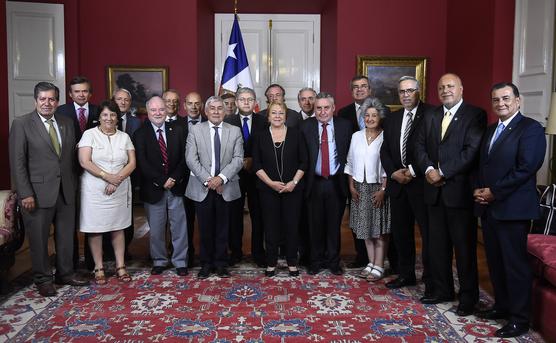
<point x="445" y="123"/>
<point x="216" y="151"/>
<point x="245" y="129"/>
<point x="325" y="163"/>
<point x="360" y="118"/>
<point x="53" y="136"/>
<point x="82" y="119"/>
<point x="163" y="151"/>
<point x="405" y="136"/>
<point x="497" y="133"/>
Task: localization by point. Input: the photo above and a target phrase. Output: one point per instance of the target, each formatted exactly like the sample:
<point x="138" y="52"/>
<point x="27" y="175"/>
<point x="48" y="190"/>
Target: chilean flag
<point x="236" y="67"/>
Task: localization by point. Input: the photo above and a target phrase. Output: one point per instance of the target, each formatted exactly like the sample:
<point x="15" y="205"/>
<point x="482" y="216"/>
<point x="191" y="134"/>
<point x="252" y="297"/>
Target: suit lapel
<point x="63" y="135"/>
<point x="224" y="138"/>
<point x="507" y="131"/>
<point x="437" y="124"/>
<point x="40" y="129"/>
<point x="206" y="138"/>
<point x="456" y="119"/>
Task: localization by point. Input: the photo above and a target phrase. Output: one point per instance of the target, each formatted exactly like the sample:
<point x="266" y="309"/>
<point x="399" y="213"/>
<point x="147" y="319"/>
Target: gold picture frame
<point x="141" y="81"/>
<point x="384" y="72"/>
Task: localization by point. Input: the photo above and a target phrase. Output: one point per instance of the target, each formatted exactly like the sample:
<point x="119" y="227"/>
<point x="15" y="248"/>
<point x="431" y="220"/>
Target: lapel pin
<point x="456" y="118"/>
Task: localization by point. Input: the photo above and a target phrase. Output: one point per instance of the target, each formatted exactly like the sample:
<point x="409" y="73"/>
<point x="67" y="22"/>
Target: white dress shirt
<point x="47" y="126"/>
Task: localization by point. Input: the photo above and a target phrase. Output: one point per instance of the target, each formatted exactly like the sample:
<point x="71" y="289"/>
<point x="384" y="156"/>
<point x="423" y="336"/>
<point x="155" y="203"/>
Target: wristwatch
<point x="383" y="188"/>
<point x="295" y="182"/>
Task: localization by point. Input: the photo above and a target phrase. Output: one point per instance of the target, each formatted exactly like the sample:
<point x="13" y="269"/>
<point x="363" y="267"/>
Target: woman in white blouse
<point x="370" y="209"/>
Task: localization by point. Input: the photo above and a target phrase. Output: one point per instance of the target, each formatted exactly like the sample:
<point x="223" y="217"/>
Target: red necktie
<point x="163" y="151"/>
<point x="82" y="119"/>
<point x="325" y="163"/>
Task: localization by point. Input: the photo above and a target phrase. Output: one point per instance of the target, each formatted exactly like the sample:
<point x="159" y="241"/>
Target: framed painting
<point x="141" y="82"/>
<point x="384" y="73"/>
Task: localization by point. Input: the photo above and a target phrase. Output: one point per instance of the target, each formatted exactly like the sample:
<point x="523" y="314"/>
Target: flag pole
<point x="235" y="7"/>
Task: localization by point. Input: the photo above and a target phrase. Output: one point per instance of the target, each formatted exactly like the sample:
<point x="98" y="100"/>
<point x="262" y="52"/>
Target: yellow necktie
<point x="445" y="123"/>
<point x="53" y="136"/>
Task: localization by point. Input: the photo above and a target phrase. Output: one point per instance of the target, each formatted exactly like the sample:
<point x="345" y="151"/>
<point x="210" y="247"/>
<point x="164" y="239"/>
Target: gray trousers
<point x="168" y="210"/>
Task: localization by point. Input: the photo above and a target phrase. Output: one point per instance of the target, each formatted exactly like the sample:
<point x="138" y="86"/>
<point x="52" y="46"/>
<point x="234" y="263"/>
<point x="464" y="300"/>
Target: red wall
<point x="4" y="108"/>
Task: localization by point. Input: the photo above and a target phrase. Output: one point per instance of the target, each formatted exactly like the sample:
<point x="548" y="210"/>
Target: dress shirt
<point x="404" y="125"/>
<point x="189" y="120"/>
<point x="124" y="121"/>
<point x="213" y="159"/>
<point x="305" y="115"/>
<point x="47" y="126"/>
<point x="506" y="123"/>
<point x="363" y="160"/>
<point x="171" y="119"/>
<point x="86" y="107"/>
<point x="332" y="152"/>
<point x="163" y="133"/>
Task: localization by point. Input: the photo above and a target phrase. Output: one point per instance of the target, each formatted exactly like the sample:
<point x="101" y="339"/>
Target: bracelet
<point x="102" y="174"/>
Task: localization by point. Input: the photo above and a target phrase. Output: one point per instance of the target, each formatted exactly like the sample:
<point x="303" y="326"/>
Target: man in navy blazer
<point x="512" y="151"/>
<point x="447" y="151"/>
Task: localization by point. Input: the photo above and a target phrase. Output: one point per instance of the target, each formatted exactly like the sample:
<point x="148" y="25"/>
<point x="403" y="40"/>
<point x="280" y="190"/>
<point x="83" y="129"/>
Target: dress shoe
<point x="465" y="310"/>
<point x="293" y="272"/>
<point x="71" y="280"/>
<point x="46" y="289"/>
<point x="270" y="273"/>
<point x="435" y="300"/>
<point x="261" y="264"/>
<point x="234" y="261"/>
<point x="401" y="282"/>
<point x="512" y="330"/>
<point x="222" y="272"/>
<point x="204" y="273"/>
<point x="337" y="270"/>
<point x="313" y="271"/>
<point x="157" y="270"/>
<point x="181" y="271"/>
<point x="492" y="314"/>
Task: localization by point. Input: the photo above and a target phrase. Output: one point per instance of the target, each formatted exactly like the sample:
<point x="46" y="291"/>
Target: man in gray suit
<point x="214" y="153"/>
<point x="42" y="149"/>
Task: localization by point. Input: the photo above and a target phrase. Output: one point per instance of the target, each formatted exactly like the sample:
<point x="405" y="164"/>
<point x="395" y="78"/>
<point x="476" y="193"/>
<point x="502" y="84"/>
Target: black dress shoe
<point x="294" y="273"/>
<point x="435" y="300"/>
<point x="313" y="271"/>
<point x="157" y="270"/>
<point x="71" y="280"/>
<point x="465" y="310"/>
<point x="181" y="271"/>
<point x="270" y="273"/>
<point x="222" y="272"/>
<point x="261" y="264"/>
<point x="203" y="273"/>
<point x="492" y="314"/>
<point x="401" y="282"/>
<point x="46" y="289"/>
<point x="336" y="270"/>
<point x="512" y="330"/>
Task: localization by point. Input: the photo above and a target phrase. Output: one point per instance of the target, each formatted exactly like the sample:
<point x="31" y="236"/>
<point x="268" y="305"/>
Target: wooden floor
<point x="139" y="248"/>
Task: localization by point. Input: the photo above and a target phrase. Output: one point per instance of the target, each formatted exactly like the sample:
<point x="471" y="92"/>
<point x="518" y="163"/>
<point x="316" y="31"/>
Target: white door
<point x="283" y="49"/>
<point x="35" y="52"/>
<point x="533" y="62"/>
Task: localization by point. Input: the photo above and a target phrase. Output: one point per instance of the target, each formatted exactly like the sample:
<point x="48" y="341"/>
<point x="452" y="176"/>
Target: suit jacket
<point x="184" y="124"/>
<point x="258" y="123"/>
<point x="132" y="124"/>
<point x="456" y="154"/>
<point x="390" y="155"/>
<point x="293" y="118"/>
<point x="510" y="169"/>
<point x="35" y="167"/>
<point x="151" y="166"/>
<point x="348" y="112"/>
<point x="342" y="136"/>
<point x="198" y="156"/>
<point x="68" y="110"/>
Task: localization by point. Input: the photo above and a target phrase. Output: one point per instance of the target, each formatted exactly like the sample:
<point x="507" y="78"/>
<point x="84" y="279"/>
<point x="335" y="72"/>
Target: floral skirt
<point x="366" y="220"/>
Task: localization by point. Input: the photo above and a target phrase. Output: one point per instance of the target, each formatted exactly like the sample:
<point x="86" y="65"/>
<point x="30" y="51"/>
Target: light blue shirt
<point x="332" y="151"/>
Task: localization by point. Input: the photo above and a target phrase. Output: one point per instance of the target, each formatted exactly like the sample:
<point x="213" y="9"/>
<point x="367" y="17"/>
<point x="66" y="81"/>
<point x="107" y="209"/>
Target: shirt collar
<point x="162" y="127"/>
<point x="454" y="109"/>
<point x="77" y="107"/>
<point x="507" y="121"/>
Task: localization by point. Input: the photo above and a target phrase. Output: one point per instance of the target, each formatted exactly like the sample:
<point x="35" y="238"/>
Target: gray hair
<point x="372" y="102"/>
<point x="242" y="90"/>
<point x="214" y="98"/>
<point x="411" y="78"/>
<point x="151" y="99"/>
<point x="121" y="90"/>
<point x="305" y="89"/>
<point x="325" y="95"/>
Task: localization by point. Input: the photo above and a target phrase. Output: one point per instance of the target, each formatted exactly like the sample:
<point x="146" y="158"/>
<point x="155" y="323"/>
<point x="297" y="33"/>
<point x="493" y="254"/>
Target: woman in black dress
<point x="280" y="160"/>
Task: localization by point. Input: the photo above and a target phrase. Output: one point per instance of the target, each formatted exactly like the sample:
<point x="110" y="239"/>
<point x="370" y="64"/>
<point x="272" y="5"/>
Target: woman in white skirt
<point x="108" y="158"/>
<point x="370" y="209"/>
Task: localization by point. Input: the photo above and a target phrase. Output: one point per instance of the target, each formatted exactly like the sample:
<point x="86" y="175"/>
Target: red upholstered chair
<point x="11" y="234"/>
<point x="542" y="252"/>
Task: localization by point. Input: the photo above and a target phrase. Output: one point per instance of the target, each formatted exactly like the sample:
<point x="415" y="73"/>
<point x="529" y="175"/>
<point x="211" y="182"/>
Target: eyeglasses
<point x="245" y="100"/>
<point x="364" y="86"/>
<point x="408" y="91"/>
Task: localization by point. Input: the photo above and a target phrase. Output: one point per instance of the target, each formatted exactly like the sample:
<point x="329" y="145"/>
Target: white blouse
<point x="363" y="160"/>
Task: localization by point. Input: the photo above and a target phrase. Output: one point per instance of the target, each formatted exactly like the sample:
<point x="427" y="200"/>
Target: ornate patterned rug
<point x="247" y="307"/>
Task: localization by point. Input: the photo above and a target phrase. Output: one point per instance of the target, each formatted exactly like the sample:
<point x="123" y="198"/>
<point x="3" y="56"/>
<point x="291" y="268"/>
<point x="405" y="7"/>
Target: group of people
<point x="439" y="167"/>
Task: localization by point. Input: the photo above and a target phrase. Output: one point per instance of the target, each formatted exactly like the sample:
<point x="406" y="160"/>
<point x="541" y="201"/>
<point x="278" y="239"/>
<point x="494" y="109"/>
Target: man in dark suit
<point x="249" y="123"/>
<point x="306" y="100"/>
<point x="512" y="152"/>
<point x="230" y="107"/>
<point x="447" y="150"/>
<point x="160" y="151"/>
<point x="360" y="90"/>
<point x="327" y="139"/>
<point x="405" y="182"/>
<point x="193" y="106"/>
<point x="214" y="153"/>
<point x="42" y="154"/>
<point x="84" y="116"/>
<point x="275" y="92"/>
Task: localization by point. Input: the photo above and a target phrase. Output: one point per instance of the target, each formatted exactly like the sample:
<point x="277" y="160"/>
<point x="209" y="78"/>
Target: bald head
<point x="193" y="105"/>
<point x="450" y="90"/>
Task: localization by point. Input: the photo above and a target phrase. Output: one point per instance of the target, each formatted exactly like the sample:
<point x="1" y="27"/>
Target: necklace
<point x="107" y="133"/>
<point x="370" y="137"/>
<point x="276" y="146"/>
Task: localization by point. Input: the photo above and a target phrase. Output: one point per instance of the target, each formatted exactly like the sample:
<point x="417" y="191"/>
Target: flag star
<point x="231" y="53"/>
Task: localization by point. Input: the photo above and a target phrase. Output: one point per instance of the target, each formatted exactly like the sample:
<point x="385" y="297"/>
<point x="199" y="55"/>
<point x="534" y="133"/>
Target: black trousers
<point x="508" y="265"/>
<point x="405" y="209"/>
<point x="453" y="229"/>
<point x="326" y="208"/>
<point x="247" y="184"/>
<point x="281" y="213"/>
<point x="213" y="214"/>
<point x="189" y="206"/>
